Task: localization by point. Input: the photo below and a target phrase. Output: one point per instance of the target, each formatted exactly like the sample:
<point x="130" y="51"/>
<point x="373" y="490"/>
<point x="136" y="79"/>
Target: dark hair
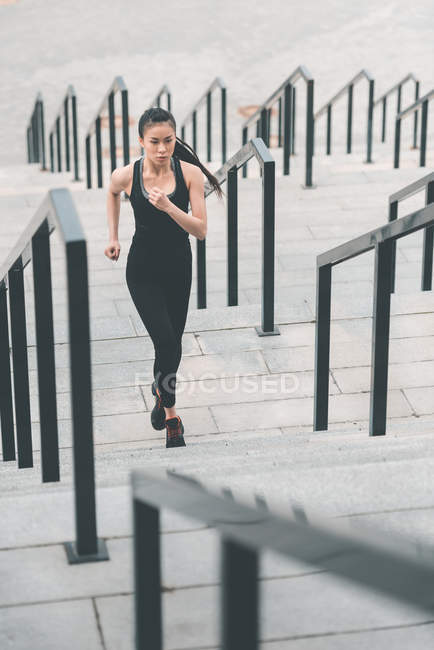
<point x="182" y="149"/>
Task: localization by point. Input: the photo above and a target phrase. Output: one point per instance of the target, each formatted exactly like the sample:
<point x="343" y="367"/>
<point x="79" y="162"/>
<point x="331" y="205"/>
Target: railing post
<point x="51" y="144"/>
<point x="66" y="125"/>
<point x="239" y="597"/>
<point x="98" y="150"/>
<point x="223" y="101"/>
<point x="6" y="403"/>
<point x="329" y="130"/>
<point x="416" y="113"/>
<point x="397" y="142"/>
<point x="428" y="245"/>
<point x="279" y="128"/>
<point x="42" y="135"/>
<point x="287" y="113"/>
<point x="268" y="257"/>
<point x="294" y="108"/>
<point x="59" y="145"/>
<point x="112" y="129"/>
<point x="125" y="127"/>
<point x="309" y="134"/>
<point x="322" y="347"/>
<point x="349" y="117"/>
<point x="398" y="98"/>
<point x="370" y="122"/>
<point x="383" y="126"/>
<point x="194" y="130"/>
<point x="201" y="272"/>
<point x="45" y="354"/>
<point x="169" y="102"/>
<point x="88" y="163"/>
<point x="380" y="339"/>
<point x="244" y="141"/>
<point x="75" y="136"/>
<point x="208" y="126"/>
<point x="147" y="577"/>
<point x="393" y="215"/>
<point x="20" y="364"/>
<point x="423" y="133"/>
<point x="232" y="235"/>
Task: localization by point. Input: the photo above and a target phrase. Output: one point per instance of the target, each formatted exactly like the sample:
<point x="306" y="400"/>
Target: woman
<point x="159" y="264"/>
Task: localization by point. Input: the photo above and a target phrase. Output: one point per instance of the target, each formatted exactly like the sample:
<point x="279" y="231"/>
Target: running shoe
<point x="158" y="414"/>
<point x="174" y="432"/>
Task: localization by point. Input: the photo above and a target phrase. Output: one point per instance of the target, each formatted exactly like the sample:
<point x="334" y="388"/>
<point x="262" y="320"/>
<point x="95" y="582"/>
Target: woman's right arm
<point x="119" y="181"/>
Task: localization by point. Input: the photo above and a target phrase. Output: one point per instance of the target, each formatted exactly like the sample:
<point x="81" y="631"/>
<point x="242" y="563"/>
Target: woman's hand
<point x="113" y="249"/>
<point x="159" y="199"/>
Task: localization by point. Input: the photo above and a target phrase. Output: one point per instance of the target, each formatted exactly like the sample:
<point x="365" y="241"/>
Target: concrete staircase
<point x="253" y="440"/>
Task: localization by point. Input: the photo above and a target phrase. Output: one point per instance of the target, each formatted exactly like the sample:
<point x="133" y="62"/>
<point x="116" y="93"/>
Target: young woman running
<point x="159" y="264"/>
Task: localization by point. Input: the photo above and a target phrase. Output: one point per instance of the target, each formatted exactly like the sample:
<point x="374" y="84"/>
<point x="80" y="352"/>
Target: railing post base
<point x="75" y="558"/>
<point x="261" y="332"/>
<point x="308" y="187"/>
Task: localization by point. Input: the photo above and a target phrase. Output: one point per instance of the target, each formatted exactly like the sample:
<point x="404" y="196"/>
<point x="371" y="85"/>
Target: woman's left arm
<point x="195" y="223"/>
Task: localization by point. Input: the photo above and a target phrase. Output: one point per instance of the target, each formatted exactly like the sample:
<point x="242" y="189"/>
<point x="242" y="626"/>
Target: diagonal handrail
<point x="395" y="566"/>
<point x="262" y="118"/>
<point x="118" y="85"/>
<point x="255" y="148"/>
<point x="69" y="98"/>
<point x="421" y="103"/>
<point x="348" y="89"/>
<point x="383" y="100"/>
<point x="381" y="239"/>
<point x="57" y="211"/>
<point x="164" y="90"/>
<point x="192" y="116"/>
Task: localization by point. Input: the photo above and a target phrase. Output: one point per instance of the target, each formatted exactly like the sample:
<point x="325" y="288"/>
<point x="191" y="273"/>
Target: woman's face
<point x="159" y="142"/>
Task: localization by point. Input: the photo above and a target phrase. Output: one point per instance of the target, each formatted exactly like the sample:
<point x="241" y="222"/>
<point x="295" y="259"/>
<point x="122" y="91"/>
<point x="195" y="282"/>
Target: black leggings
<point x="160" y="284"/>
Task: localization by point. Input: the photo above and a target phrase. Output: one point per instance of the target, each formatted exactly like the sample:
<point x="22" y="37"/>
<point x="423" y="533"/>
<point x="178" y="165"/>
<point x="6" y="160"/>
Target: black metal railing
<point x="228" y="172"/>
<point x="164" y="90"/>
<point x="57" y="210"/>
<point x="381" y="239"/>
<point x="396" y="567"/>
<point x="398" y="89"/>
<point x="348" y="90"/>
<point x="262" y="118"/>
<point x="192" y="115"/>
<point x="427" y="184"/>
<point x="421" y="103"/>
<point x="55" y="133"/>
<point x="35" y="134"/>
<point x="108" y="102"/>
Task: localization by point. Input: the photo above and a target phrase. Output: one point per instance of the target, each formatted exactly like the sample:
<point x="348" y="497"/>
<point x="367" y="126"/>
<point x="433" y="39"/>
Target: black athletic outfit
<point x="158" y="275"/>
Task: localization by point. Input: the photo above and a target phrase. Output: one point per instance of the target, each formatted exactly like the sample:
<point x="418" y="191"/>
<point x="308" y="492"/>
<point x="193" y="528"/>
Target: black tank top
<point x="154" y="225"/>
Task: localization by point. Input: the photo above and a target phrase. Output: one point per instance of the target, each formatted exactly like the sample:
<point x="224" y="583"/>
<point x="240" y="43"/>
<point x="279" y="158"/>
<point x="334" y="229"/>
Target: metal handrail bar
<point x="381" y="239"/>
<point x="35" y="134"/>
<point x="262" y="117"/>
<point x="425" y="183"/>
<point x="57" y="210"/>
<point x="327" y="108"/>
<point x="70" y="96"/>
<point x="164" y="90"/>
<point x="421" y="102"/>
<point x="394" y="566"/>
<point x="192" y="115"/>
<point x="118" y="85"/>
<point x="228" y="172"/>
<point x="383" y="99"/>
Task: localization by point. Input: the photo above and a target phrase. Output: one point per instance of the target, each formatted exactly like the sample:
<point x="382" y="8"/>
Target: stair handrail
<point x="327" y="108"/>
<point x="396" y="567"/>
<point x="69" y="98"/>
<point x="426" y="183"/>
<point x="118" y="85"/>
<point x="422" y="102"/>
<point x="192" y="115"/>
<point x="228" y="172"/>
<point x="383" y="99"/>
<point x="35" y="133"/>
<point x="381" y="239"/>
<point x="56" y="211"/>
<point x="262" y="117"/>
<point x="164" y="90"/>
